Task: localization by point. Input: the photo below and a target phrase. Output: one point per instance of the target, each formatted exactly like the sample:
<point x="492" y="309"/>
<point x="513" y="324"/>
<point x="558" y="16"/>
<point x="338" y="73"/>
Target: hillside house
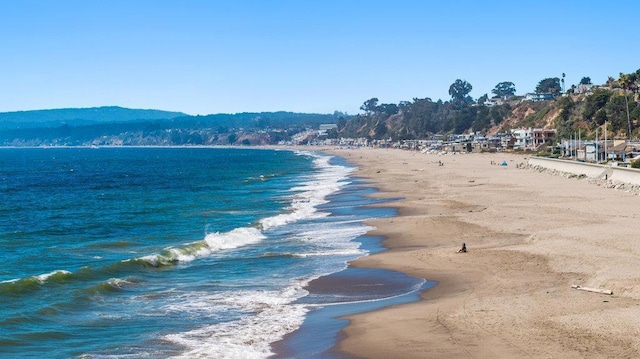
<point x="325" y="128"/>
<point x="495" y="101"/>
<point x="535" y="97"/>
<point x="583" y="89"/>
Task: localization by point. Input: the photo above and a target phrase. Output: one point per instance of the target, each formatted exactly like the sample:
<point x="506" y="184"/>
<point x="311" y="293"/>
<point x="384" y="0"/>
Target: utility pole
<point x="605" y="142"/>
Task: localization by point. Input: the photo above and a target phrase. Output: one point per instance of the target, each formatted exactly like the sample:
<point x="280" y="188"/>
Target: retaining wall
<point x="578" y="168"/>
<point x="626" y="175"/>
<point x="591" y="170"/>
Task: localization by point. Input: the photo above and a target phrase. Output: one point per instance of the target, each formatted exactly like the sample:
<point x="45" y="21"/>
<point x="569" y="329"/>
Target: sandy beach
<point x="530" y="237"/>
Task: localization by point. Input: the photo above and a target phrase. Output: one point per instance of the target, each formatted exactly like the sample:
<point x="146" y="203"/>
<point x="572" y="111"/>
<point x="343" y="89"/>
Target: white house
<point x="534" y="97"/>
<point x="523" y="138"/>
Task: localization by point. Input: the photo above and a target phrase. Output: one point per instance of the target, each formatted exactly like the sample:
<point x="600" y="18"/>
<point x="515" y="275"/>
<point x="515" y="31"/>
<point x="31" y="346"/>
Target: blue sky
<point x="219" y="56"/>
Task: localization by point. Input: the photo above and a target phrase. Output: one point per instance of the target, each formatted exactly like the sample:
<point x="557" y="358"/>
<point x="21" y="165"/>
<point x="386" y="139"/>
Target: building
<point x="542" y="136"/>
<point x="522" y="138"/>
<point x="324" y="128"/>
<point x="495" y="101"/>
<point x="583" y="88"/>
<point x="535" y="97"/>
<point x="531" y="138"/>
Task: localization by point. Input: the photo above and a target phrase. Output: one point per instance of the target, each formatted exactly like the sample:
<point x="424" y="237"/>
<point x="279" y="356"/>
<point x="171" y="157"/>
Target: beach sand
<point x="530" y="237"/>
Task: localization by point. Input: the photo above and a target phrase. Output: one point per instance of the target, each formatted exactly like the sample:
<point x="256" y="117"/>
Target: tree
<point x="504" y="89"/>
<point x="333" y="133"/>
<point x="595" y="102"/>
<point x="388" y="109"/>
<point x="600" y="117"/>
<point x="459" y="90"/>
<point x="616" y="113"/>
<point x="482" y="99"/>
<point x="585" y="81"/>
<point x="549" y="85"/>
<point x="404" y="106"/>
<point x="341" y="122"/>
<point x="563" y="75"/>
<point x="626" y="82"/>
<point x="370" y="105"/>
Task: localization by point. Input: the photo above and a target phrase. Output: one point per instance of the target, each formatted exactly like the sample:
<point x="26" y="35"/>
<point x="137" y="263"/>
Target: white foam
<point x="43" y="277"/>
<point x="270" y="316"/>
<point x="119" y="282"/>
<point x="337" y="237"/>
<point x="213" y="242"/>
<point x="40" y="278"/>
<point x="236" y="238"/>
<point x="312" y="193"/>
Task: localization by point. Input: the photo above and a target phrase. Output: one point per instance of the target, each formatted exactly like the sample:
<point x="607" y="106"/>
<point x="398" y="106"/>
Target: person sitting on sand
<point x="463" y="249"/>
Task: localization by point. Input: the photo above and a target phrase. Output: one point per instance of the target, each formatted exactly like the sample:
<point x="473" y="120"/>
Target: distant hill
<point x="103" y="126"/>
<point x="80" y="117"/>
<point x="258" y="120"/>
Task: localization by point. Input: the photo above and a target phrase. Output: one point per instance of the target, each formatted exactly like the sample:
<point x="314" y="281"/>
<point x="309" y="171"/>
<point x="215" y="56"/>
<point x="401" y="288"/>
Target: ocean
<point x="183" y="252"/>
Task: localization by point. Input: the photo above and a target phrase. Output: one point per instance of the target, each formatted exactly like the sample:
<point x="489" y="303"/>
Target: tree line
<point x="615" y="103"/>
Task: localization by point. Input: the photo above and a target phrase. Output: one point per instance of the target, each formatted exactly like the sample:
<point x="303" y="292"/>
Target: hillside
<point x="80" y="116"/>
<point x="568" y="114"/>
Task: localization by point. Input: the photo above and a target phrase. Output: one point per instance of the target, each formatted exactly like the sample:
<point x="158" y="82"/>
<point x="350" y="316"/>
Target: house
<point x="324" y="128"/>
<point x="542" y="136"/>
<point x="531" y="138"/>
<point x="455" y="147"/>
<point x="495" y="101"/>
<point x="572" y="148"/>
<point x="522" y="138"/>
<point x="583" y="88"/>
<point x="535" y="97"/>
<point x="623" y="150"/>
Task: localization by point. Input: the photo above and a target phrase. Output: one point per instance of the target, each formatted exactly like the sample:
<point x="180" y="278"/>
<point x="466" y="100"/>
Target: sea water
<point x="170" y="252"/>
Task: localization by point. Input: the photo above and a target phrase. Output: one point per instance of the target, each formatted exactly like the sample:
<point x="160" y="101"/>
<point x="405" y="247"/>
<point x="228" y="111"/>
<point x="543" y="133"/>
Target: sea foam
<point x="251" y="335"/>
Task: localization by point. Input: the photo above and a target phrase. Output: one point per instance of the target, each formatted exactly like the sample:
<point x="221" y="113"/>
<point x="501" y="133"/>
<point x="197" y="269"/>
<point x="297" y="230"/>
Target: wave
<point x="304" y="201"/>
<point x="250" y="336"/>
<point x="304" y="205"/>
<point x="111" y="285"/>
<point x="312" y="193"/>
<point x="212" y="243"/>
<point x="25" y="285"/>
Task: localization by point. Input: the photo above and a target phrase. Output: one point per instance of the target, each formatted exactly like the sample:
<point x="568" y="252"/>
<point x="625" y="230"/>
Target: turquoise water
<point x="170" y="252"/>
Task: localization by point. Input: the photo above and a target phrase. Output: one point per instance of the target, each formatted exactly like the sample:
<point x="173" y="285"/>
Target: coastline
<point x="530" y="236"/>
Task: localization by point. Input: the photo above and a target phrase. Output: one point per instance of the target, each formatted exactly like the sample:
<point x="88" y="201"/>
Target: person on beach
<point x="463" y="249"/>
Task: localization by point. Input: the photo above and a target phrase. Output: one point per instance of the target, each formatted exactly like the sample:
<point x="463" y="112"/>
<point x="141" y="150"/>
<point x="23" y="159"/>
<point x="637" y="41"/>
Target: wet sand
<point x="530" y="236"/>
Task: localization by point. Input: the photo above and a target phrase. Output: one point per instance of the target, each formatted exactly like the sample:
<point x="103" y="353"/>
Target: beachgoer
<point x="463" y="249"/>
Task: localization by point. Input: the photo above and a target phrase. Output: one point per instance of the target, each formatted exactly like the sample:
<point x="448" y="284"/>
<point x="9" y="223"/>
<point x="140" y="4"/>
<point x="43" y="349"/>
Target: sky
<point x="230" y="56"/>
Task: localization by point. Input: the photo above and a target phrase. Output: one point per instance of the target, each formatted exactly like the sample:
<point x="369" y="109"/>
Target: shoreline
<point x="530" y="237"/>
